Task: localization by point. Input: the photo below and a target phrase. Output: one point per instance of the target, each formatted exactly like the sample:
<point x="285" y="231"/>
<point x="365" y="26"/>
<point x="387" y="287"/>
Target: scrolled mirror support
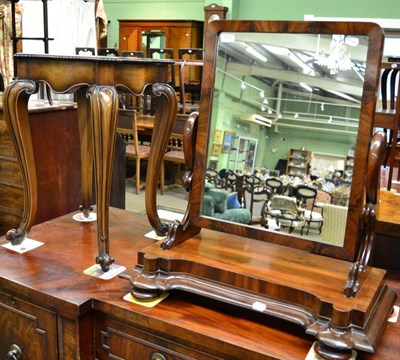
<point x="164" y="121"/>
<point x="182" y="230"/>
<point x="377" y="153"/>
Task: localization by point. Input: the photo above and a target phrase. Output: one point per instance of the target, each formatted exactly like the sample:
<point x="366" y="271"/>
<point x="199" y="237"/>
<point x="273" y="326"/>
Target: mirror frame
<point x="354" y="219"/>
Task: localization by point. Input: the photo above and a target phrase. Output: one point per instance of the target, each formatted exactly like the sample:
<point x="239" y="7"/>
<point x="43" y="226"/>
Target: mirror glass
<point x="284" y="119"/>
<point x="152" y="39"/>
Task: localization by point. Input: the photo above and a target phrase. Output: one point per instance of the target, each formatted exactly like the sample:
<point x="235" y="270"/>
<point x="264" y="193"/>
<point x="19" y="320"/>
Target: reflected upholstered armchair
<point x="335" y="218"/>
<point x="223" y="205"/>
<point x="285" y="211"/>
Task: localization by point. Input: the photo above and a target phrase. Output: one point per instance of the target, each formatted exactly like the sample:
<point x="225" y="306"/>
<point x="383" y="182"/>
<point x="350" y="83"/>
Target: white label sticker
<point x="259" y="306"/>
<point x="227" y="37"/>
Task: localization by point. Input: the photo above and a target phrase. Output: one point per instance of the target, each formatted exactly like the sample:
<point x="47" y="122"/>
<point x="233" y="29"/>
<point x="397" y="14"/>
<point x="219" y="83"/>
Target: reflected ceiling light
<point x="322" y="107"/>
<point x="243" y="86"/>
<point x="258" y="119"/>
<point x="330" y="119"/>
<point x="255" y="53"/>
<point x="305" y="86"/>
<point x="262" y="94"/>
<point x="265" y="101"/>
<point x="308" y="70"/>
<point x="277" y="50"/>
<point x="269" y="111"/>
<point x="344" y="96"/>
<point x="337" y="60"/>
<point x="296" y="116"/>
<point x="263" y="108"/>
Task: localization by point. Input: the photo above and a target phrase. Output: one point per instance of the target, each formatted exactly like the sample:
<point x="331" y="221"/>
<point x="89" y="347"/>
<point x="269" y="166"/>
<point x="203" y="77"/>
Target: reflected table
<point x="95" y="82"/>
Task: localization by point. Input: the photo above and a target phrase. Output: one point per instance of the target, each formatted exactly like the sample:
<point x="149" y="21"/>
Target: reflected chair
<point x="173" y="155"/>
<point x="134" y="150"/>
<point x="334" y="229"/>
<point x="255" y="195"/>
<point x="212" y="177"/>
<point x="284" y="210"/>
<point x="306" y="197"/>
<point x="275" y="185"/>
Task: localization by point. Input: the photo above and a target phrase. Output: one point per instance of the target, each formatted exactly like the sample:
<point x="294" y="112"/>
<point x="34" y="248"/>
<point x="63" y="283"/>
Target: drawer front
<point x="31" y="328"/>
<point x="118" y="341"/>
<point x="9" y="171"/>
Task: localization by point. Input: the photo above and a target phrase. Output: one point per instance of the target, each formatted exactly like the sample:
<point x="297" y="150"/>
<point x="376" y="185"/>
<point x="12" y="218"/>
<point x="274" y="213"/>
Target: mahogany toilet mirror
<point x="300" y="83"/>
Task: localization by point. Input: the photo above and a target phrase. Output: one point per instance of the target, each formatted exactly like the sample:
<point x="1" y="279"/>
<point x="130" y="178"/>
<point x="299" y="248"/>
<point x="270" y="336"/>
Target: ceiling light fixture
<point x="308" y="70"/>
<point x="337" y="60"/>
<point x="243" y="86"/>
<point x="277" y="50"/>
<point x="305" y="86"/>
<point x="255" y="53"/>
<point x="262" y="94"/>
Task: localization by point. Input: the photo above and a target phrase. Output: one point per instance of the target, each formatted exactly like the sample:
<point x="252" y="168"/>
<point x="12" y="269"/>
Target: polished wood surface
<point x="388" y="220"/>
<point x="181" y="324"/>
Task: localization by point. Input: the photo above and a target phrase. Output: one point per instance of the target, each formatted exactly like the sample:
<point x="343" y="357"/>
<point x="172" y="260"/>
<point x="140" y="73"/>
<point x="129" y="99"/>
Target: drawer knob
<point x="158" y="356"/>
<point x="15" y="353"/>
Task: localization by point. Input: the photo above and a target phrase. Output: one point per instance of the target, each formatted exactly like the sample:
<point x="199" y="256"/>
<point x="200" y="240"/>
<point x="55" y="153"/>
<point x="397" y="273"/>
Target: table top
<point x="388" y="221"/>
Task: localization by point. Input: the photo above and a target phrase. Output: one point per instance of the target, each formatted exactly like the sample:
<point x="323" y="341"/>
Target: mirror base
<point x="330" y="354"/>
<point x="275" y="281"/>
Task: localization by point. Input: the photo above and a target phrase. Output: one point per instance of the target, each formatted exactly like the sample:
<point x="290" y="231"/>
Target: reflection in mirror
<point x="288" y="113"/>
<point x="152" y="39"/>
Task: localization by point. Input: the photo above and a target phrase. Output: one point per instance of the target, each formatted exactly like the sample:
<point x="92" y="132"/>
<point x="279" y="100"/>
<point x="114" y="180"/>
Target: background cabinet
<point x="298" y="161"/>
<point x="141" y="35"/>
<point x="348" y="168"/>
<point x="135" y="35"/>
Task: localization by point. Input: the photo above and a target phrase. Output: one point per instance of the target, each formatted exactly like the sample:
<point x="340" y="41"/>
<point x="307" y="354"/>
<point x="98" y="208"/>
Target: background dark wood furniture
<point x="83" y="317"/>
<point x="178" y="34"/>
